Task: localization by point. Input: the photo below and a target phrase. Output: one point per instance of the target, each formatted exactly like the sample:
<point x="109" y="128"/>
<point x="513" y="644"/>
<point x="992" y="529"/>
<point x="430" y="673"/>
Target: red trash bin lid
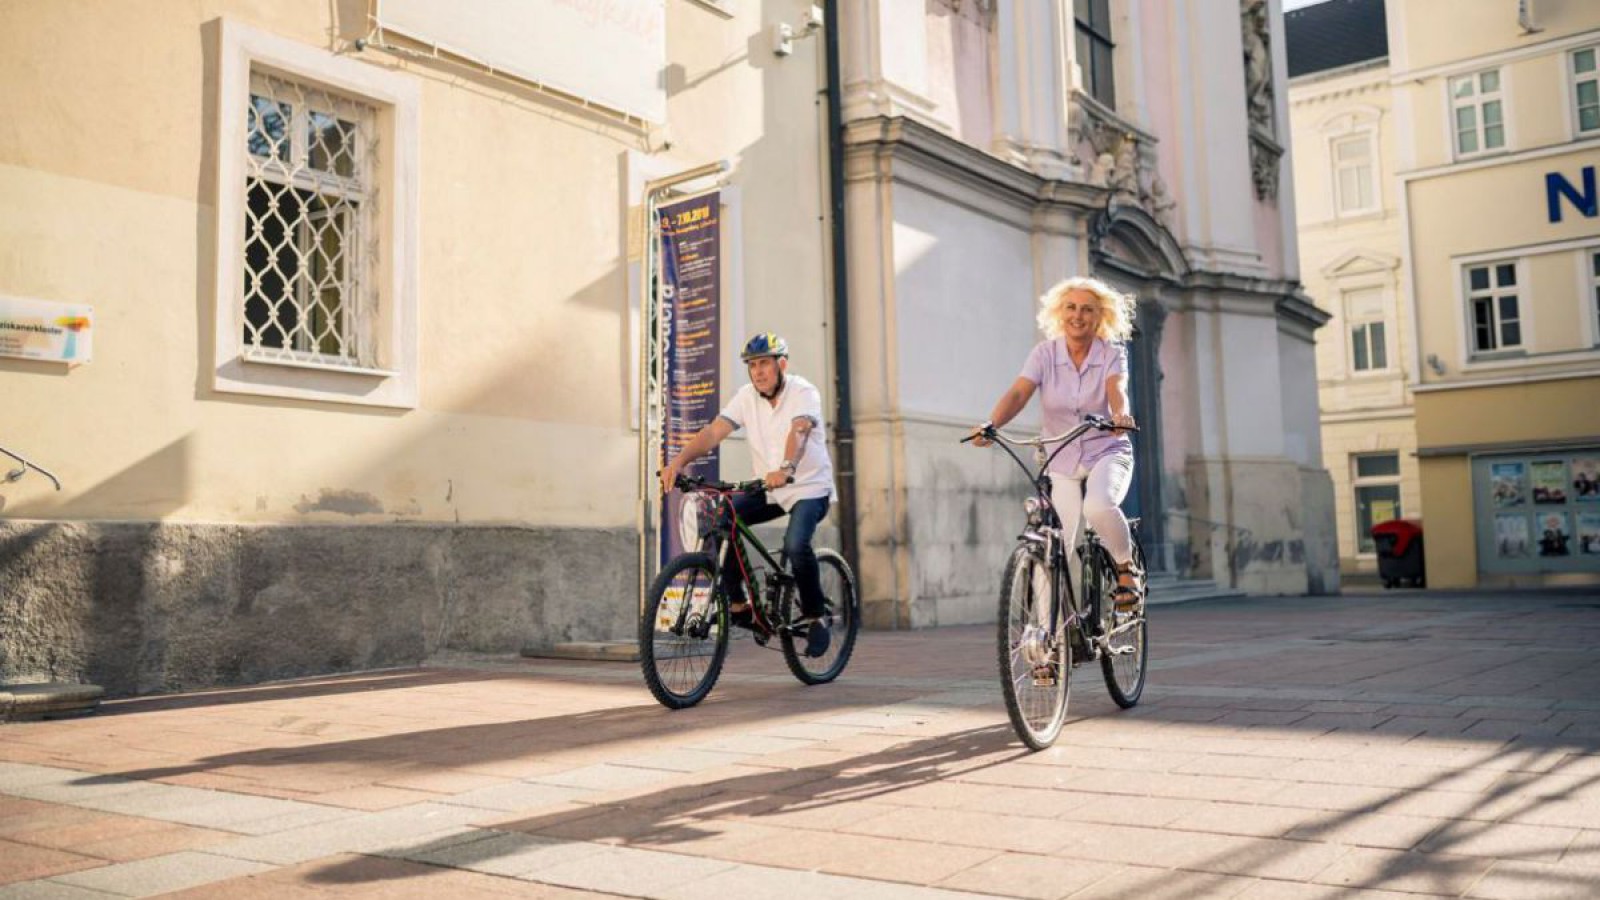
<point x="1403" y="531"/>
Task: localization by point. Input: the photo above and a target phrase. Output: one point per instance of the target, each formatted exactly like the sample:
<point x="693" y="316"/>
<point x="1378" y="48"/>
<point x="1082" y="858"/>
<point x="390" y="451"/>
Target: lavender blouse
<point x="1068" y="392"/>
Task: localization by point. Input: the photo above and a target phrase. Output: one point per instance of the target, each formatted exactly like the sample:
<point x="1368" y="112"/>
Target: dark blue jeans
<point x="754" y="509"/>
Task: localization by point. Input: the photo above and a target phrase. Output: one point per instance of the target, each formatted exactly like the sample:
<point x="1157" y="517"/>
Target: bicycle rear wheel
<point x="1126" y="656"/>
<point x="843" y="619"/>
<point x="683" y="636"/>
<point x="1035" y="660"/>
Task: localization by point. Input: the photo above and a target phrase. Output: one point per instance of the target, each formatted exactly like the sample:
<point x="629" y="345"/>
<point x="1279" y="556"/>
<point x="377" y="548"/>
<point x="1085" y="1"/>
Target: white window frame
<point x="1573" y="81"/>
<point x="1588" y="260"/>
<point x="1370" y="137"/>
<point x="1359" y="481"/>
<point x="1493" y="292"/>
<point x="394" y="380"/>
<point x="1383" y="344"/>
<point x="1352" y="322"/>
<point x="1477" y="101"/>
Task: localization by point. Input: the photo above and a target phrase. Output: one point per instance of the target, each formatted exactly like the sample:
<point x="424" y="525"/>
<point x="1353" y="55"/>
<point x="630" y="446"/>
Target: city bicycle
<point x="1045" y="628"/>
<point x="683" y="634"/>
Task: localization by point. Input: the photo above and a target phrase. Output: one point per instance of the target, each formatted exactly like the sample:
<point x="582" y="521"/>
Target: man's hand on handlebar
<point x="669" y="478"/>
<point x="777" y="479"/>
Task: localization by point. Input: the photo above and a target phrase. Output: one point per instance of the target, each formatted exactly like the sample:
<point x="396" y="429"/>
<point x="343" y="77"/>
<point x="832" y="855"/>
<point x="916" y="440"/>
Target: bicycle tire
<point x="844" y="618"/>
<point x="672" y="662"/>
<point x="1125" y="677"/>
<point x="1037" y="710"/>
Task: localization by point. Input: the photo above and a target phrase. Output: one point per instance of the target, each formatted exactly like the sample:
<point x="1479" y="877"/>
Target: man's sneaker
<point x="818" y="637"/>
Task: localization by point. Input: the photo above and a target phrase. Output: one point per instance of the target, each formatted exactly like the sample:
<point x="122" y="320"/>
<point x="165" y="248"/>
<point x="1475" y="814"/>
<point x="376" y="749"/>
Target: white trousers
<point x="1095" y="493"/>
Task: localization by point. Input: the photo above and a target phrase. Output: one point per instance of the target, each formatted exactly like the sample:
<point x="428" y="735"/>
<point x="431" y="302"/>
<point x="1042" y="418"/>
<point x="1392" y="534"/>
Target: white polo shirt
<point x="767" y="427"/>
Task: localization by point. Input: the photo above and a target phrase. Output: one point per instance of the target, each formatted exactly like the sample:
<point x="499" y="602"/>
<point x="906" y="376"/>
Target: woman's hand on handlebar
<point x="1124" y="424"/>
<point x="981" y="436"/>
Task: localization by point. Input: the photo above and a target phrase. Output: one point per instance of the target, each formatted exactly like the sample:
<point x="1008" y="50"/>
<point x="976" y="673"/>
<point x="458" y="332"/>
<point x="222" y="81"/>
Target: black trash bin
<point x="1400" y="552"/>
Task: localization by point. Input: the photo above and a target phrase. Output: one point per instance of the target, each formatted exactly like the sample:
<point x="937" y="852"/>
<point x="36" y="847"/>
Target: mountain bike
<point x="683" y="634"/>
<point x="1045" y="629"/>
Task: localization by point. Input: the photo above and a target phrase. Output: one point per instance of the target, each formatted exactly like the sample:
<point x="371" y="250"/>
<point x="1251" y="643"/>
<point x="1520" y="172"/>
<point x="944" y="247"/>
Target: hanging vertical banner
<point x="690" y="285"/>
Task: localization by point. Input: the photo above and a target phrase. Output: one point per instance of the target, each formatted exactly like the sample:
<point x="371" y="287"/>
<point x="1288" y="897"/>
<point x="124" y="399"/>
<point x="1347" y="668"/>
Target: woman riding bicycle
<point x="1082" y="369"/>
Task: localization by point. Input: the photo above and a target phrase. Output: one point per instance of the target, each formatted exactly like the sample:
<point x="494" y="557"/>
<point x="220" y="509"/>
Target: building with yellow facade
<point x="1485" y="137"/>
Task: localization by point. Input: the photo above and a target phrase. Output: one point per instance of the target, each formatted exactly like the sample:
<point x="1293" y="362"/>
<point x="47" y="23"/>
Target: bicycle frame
<point x="737" y="539"/>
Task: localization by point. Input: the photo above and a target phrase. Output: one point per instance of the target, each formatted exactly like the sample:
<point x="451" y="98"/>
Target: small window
<point x="1377" y="494"/>
<point x="1364" y="316"/>
<point x="1594" y="294"/>
<point x="1378" y="465"/>
<point x="1352" y="174"/>
<point x="1092" y="25"/>
<point x="1366" y="343"/>
<point x="1477" y="113"/>
<point x="1586" y="89"/>
<point x="1495" y="307"/>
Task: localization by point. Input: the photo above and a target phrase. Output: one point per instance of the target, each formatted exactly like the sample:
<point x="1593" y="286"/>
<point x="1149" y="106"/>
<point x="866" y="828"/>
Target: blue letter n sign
<point x="1557" y="186"/>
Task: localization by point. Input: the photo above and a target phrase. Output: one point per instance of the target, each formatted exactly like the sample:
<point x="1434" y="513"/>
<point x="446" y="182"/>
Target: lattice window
<point x="310" y="248"/>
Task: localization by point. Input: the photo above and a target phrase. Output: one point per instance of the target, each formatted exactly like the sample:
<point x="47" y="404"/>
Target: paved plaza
<point x="1392" y="745"/>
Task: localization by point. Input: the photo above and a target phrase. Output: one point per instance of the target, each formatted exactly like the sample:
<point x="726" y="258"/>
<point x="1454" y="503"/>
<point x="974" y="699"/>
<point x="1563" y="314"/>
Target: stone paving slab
<point x="1281" y="750"/>
<point x="161" y="874"/>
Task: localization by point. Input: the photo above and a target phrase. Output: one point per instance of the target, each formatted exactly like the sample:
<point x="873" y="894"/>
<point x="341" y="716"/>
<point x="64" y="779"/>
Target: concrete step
<point x="48" y="700"/>
<point x="593" y="651"/>
<point x="1166" y="589"/>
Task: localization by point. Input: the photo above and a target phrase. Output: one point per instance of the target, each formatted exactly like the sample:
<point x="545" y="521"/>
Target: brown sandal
<point x="1127" y="597"/>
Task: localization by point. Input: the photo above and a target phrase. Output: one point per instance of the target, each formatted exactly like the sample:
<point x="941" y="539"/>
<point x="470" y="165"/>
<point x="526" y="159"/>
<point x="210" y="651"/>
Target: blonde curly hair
<point x="1116" y="309"/>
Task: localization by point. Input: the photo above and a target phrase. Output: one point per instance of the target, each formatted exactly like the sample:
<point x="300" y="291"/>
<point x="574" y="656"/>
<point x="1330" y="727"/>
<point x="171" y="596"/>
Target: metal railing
<point x="16" y="474"/>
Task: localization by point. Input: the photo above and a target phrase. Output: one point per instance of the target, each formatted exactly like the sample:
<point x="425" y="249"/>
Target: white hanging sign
<point x="39" y="329"/>
<point x="609" y="52"/>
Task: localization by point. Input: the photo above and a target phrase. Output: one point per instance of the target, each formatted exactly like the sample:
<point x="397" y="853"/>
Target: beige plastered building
<point x="365" y="282"/>
<point x="1479" y="256"/>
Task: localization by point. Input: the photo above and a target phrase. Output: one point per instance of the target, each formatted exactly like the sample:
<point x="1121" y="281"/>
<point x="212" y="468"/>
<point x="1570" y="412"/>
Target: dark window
<point x="1093" y="21"/>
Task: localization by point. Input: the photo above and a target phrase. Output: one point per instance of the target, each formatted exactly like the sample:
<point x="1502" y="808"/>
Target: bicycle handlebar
<point x="1091" y="421"/>
<point x="696" y="483"/>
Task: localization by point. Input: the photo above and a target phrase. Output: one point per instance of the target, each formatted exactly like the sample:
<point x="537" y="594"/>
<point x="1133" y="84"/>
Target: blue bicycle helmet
<point x="764" y="344"/>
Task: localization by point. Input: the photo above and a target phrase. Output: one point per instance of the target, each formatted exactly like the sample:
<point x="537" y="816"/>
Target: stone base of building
<point x="138" y="607"/>
<point x="1264" y="526"/>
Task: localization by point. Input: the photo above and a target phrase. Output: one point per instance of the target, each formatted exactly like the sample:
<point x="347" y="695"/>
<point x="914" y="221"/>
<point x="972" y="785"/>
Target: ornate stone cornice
<point x="873" y="142"/>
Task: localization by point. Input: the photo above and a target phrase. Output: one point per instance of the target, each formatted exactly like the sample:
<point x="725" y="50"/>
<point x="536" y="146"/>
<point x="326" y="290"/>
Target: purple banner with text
<point x="690" y="288"/>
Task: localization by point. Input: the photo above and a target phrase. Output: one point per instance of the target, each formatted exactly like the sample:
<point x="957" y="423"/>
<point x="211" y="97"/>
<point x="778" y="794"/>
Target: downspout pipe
<point x="844" y="431"/>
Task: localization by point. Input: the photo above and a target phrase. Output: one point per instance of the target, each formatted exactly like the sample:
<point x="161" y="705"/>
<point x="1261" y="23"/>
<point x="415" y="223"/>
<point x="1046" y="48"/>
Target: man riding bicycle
<point x="789" y="452"/>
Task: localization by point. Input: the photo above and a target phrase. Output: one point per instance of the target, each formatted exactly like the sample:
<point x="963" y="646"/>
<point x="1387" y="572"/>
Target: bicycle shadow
<point x="702" y="809"/>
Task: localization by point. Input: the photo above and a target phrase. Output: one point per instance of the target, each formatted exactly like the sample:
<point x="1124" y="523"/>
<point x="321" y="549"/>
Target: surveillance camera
<point x="812" y="20"/>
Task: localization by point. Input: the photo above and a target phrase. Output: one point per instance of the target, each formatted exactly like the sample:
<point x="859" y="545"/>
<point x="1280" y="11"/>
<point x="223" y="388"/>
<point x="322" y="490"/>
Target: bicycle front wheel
<point x="842" y="619"/>
<point x="1125" y="657"/>
<point x="1035" y="660"/>
<point x="683" y="636"/>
